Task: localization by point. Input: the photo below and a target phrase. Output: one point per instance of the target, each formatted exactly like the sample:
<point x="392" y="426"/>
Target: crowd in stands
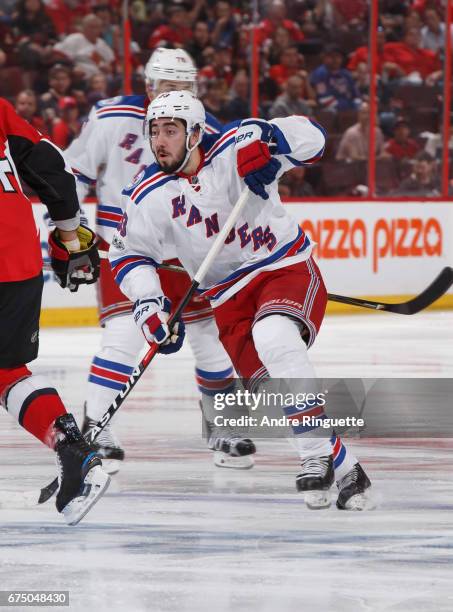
<point x="59" y="57"/>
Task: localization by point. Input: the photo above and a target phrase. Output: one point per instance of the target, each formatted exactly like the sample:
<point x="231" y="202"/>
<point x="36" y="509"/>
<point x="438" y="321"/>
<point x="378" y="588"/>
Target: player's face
<point x="168" y="143"/>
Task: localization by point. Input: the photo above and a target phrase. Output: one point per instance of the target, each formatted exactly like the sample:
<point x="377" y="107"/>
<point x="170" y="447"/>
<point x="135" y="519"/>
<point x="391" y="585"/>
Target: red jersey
<point x="25" y="152"/>
<point x="401" y="151"/>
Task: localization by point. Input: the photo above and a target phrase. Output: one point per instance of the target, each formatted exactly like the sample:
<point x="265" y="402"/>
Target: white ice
<point x="176" y="534"/>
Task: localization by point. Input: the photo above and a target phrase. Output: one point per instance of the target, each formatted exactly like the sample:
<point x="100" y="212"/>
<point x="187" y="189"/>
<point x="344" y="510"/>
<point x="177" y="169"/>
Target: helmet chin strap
<point x="189" y="150"/>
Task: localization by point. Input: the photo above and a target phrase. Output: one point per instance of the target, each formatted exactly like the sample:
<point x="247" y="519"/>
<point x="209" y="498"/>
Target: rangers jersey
<point x="110" y="151"/>
<point x="188" y="213"/>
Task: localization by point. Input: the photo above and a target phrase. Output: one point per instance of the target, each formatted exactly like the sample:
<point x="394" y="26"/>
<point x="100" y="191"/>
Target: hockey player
<point x="111" y="150"/>
<point x="31" y="399"/>
<point x="268" y="295"/>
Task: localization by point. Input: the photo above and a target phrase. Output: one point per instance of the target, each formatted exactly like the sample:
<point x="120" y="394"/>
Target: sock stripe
<point x="31" y="398"/>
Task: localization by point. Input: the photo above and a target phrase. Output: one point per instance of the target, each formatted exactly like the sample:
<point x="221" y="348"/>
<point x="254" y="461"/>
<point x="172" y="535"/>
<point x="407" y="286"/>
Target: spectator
<point x="215" y="97"/>
<point x="334" y="86"/>
<point x="401" y="146"/>
<point x="90" y="54"/>
<point x="66" y="13"/>
<point x="110" y="32"/>
<point x="26" y="106"/>
<point x="97" y="89"/>
<point x="67" y="126"/>
<point x="36" y="35"/>
<point x="219" y="68"/>
<point x="349" y="14"/>
<point x="413" y="64"/>
<point x="354" y="142"/>
<point x="296" y="184"/>
<point x="291" y="101"/>
<point x="60" y="84"/>
<point x="200" y="40"/>
<point x="433" y="32"/>
<point x="291" y="62"/>
<point x="223" y="28"/>
<point x="238" y="106"/>
<point x="276" y="17"/>
<point x="176" y="32"/>
<point x="273" y="48"/>
<point x="424" y="180"/>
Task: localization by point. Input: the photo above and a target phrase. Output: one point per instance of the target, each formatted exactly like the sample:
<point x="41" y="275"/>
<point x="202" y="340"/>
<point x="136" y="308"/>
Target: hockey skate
<point x="352" y="490"/>
<point x="231" y="448"/>
<point x="315" y="480"/>
<point x="82" y="482"/>
<point x="106" y="445"/>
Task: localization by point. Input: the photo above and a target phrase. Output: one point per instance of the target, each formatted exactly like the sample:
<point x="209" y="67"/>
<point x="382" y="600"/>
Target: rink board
<point x="381" y="250"/>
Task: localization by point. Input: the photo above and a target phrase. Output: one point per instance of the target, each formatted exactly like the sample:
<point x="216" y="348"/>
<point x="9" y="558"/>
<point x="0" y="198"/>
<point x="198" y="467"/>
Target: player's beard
<point x="169" y="167"/>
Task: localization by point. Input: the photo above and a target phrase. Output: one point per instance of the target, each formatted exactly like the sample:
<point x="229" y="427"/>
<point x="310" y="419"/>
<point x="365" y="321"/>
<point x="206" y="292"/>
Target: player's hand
<point x="77" y="262"/>
<point x="254" y="161"/>
<point x="151" y="315"/>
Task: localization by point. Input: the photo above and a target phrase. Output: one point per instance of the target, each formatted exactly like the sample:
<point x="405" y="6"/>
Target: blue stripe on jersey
<point x="113" y="365"/>
<point x="222" y="147"/>
<point x="153" y="186"/>
<point x="127" y="268"/>
<point x="307" y="162"/>
<point x="214" y="375"/>
<point x="105" y="383"/>
<point x="82" y="178"/>
<point x="148" y="260"/>
<point x="136" y="100"/>
<point x="112" y="209"/>
<point x="280" y="254"/>
<point x="340" y="457"/>
<point x="121" y="114"/>
<point x="106" y="222"/>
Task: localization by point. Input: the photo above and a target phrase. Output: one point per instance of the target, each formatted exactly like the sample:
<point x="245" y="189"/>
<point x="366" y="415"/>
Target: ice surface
<point x="176" y="534"/>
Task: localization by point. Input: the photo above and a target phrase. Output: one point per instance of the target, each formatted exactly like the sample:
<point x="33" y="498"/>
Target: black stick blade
<point x="436" y="289"/>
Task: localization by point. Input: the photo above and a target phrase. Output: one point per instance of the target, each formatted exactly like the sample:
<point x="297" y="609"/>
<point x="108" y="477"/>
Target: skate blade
<point x="317" y="500"/>
<point x="359" y="502"/>
<point x="223" y="460"/>
<point x="95" y="485"/>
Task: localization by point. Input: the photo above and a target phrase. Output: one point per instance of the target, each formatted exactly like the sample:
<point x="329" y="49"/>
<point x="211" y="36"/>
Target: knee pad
<point x="208" y="351"/>
<point x="121" y="338"/>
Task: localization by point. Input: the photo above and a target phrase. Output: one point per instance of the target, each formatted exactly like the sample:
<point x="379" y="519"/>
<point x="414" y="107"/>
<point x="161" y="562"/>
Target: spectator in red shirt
<point x="175" y="32"/>
<point x="26" y="106"/>
<point x="349" y="13"/>
<point x="276" y="17"/>
<point x="219" y="68"/>
<point x="401" y="146"/>
<point x="291" y="62"/>
<point x="413" y="64"/>
<point x="67" y="126"/>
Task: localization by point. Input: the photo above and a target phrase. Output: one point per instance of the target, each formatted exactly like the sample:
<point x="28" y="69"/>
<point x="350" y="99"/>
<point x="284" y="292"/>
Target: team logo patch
<point x="115" y="100"/>
<point x="118" y="243"/>
<point x="136" y="180"/>
<point x="34" y="336"/>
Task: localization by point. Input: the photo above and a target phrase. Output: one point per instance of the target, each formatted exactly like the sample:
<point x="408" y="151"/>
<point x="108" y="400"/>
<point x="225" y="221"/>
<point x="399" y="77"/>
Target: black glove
<point x="74" y="268"/>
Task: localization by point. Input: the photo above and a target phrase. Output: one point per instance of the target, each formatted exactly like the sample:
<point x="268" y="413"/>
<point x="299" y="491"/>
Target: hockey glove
<point x="254" y="161"/>
<point x="74" y="264"/>
<point x="151" y="315"/>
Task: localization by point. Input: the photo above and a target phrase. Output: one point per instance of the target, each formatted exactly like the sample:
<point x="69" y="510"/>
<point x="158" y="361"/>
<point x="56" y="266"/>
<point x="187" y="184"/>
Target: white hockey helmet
<point x="182" y="105"/>
<point x="171" y="65"/>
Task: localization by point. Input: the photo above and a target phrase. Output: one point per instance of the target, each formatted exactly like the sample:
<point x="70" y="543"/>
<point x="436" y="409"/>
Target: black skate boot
<point x="231" y="448"/>
<point x="352" y="489"/>
<point x="107" y="446"/>
<point x="82" y="482"/>
<point x="315" y="480"/>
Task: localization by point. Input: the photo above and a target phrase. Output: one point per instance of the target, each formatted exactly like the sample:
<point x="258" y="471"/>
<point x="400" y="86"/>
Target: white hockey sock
<point x="214" y="371"/>
<point x="284" y="354"/>
<point x="121" y="345"/>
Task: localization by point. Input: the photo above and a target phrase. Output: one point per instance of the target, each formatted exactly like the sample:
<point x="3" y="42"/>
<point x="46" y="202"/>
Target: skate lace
<point x="315" y="466"/>
<point x="350" y="478"/>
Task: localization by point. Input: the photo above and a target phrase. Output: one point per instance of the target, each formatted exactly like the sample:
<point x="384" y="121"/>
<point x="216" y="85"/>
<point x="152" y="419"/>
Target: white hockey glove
<point x="151" y="315"/>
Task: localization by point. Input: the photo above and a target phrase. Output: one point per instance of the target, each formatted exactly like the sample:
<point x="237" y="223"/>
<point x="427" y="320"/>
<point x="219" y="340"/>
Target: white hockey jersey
<point x="110" y="151"/>
<point x="164" y="209"/>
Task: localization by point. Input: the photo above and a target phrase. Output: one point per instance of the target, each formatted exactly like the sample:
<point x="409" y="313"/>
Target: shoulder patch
<point x="136" y="181"/>
<point x="109" y="101"/>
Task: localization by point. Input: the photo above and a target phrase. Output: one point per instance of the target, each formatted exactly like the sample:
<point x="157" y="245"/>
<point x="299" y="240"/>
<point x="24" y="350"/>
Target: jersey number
<point x="5" y="169"/>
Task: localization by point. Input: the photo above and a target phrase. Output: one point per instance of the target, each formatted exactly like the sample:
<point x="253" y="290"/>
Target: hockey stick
<point x="35" y="498"/>
<point x="440" y="285"/>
